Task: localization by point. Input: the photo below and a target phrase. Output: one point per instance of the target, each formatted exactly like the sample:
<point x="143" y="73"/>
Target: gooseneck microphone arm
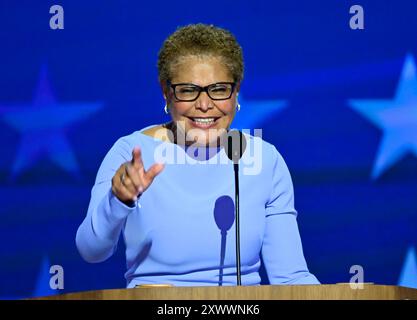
<point x="235" y="147"/>
<point x="238" y="272"/>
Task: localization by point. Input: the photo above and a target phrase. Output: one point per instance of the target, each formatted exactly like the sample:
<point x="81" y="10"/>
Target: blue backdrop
<point x="339" y="104"/>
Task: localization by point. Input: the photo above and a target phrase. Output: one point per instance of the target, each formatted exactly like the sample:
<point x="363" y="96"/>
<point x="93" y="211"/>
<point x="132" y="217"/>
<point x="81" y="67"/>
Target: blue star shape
<point x="397" y="118"/>
<point x="408" y="276"/>
<point x="43" y="288"/>
<point x="254" y="112"/>
<point x="42" y="126"/>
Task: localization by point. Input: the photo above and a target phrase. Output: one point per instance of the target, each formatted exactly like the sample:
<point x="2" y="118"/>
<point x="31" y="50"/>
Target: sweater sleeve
<point x="282" y="250"/>
<point x="98" y="234"/>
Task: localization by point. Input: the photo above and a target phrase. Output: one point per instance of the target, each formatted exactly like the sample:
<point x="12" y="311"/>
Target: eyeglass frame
<point x="201" y="89"/>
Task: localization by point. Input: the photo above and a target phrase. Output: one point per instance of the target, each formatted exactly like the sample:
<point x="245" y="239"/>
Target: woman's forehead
<point x="200" y="70"/>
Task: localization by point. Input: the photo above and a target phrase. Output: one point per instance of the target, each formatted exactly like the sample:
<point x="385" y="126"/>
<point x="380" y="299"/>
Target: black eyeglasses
<point x="191" y="92"/>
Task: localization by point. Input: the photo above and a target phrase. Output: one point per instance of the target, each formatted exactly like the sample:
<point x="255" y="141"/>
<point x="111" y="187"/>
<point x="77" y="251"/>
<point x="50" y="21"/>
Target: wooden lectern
<point x="265" y="292"/>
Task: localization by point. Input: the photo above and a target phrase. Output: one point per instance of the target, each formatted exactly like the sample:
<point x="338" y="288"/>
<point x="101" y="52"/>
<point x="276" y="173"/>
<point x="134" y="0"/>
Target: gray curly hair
<point x="200" y="40"/>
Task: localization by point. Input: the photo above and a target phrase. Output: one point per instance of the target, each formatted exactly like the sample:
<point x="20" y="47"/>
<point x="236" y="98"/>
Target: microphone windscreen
<point x="235" y="145"/>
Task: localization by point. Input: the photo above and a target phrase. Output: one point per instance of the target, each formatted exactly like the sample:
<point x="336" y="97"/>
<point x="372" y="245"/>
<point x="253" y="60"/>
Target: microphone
<point x="235" y="146"/>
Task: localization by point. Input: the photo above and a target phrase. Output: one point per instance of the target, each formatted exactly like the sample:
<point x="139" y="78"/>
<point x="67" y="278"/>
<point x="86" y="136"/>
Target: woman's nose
<point x="204" y="102"/>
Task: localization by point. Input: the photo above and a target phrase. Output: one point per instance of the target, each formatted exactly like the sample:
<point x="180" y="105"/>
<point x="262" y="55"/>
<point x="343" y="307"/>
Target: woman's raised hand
<point x="131" y="179"/>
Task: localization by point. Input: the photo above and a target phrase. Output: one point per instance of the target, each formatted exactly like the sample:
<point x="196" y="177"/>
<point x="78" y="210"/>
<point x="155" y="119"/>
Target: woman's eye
<point x="218" y="89"/>
<point x="188" y="90"/>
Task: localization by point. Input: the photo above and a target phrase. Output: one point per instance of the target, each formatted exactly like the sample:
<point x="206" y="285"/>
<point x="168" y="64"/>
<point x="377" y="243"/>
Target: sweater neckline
<point x="199" y="154"/>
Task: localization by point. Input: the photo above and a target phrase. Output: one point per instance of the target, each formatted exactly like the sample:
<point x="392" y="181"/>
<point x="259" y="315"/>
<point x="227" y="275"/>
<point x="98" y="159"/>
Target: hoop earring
<point x="166" y="109"/>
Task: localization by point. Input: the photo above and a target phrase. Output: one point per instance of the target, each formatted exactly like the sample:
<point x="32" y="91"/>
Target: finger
<point x="128" y="184"/>
<point x="153" y="171"/>
<point x="137" y="158"/>
<point x="127" y="194"/>
<point x="122" y="193"/>
<point x="134" y="176"/>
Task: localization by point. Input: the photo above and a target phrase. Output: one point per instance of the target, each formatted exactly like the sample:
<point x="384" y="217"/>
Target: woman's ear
<point x="237" y="88"/>
<point x="164" y="89"/>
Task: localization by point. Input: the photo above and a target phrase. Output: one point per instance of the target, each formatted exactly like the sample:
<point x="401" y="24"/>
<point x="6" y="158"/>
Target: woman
<point x="177" y="217"/>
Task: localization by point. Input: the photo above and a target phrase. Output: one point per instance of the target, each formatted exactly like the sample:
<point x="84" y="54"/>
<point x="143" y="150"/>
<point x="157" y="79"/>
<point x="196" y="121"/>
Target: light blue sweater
<point x="181" y="231"/>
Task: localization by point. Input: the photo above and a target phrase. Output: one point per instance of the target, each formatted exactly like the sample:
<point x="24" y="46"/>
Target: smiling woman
<point x="176" y="217"/>
<point x="201" y="95"/>
<point x="200" y="70"/>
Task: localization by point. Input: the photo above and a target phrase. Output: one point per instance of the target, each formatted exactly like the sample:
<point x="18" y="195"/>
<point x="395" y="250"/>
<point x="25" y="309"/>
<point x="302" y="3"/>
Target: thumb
<point x="154" y="170"/>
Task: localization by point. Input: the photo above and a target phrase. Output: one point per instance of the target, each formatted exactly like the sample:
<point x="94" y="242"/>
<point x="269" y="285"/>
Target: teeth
<point x="203" y="120"/>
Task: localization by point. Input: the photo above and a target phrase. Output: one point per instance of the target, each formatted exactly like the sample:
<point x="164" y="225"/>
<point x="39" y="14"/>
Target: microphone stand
<point x="236" y="145"/>
<point x="238" y="272"/>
